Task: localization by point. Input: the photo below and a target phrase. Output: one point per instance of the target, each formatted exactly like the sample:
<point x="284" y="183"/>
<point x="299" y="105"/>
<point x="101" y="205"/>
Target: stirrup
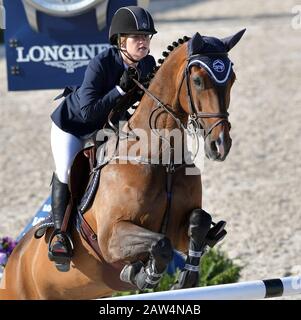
<point x="61" y="251"/>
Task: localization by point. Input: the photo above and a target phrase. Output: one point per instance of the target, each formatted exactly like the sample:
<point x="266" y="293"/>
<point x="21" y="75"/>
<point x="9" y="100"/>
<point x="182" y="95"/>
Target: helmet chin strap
<point x="125" y="52"/>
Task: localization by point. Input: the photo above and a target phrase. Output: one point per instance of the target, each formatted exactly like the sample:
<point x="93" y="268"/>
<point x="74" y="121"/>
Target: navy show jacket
<point x="87" y="107"/>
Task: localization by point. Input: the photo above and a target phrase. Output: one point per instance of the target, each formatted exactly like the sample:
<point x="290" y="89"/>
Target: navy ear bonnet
<point x="211" y="54"/>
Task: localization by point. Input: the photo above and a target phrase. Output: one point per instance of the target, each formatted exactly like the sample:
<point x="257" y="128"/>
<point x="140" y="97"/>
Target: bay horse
<point x="135" y="236"/>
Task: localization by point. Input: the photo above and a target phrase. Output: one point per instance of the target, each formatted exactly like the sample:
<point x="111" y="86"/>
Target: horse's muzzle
<point x="218" y="149"/>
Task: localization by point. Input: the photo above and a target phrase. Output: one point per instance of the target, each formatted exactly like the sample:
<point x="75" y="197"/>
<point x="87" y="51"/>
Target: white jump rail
<point x="251" y="290"/>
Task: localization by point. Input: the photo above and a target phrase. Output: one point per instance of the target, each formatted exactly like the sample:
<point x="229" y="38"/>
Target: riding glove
<point x="126" y="81"/>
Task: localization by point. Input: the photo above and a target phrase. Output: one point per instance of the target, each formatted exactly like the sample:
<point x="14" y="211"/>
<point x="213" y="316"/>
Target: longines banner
<point x="49" y="43"/>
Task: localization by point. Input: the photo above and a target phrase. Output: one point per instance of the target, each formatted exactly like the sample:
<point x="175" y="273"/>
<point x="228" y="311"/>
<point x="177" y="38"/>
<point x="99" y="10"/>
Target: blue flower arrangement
<point x="7" y="245"/>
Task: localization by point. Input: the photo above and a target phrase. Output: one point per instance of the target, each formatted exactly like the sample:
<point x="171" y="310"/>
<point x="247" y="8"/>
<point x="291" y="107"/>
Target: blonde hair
<point x="122" y="40"/>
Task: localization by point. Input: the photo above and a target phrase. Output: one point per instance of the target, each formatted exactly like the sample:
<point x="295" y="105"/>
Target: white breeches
<point x="65" y="147"/>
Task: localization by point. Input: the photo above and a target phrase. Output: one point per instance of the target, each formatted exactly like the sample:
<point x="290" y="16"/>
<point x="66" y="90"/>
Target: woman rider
<point x="108" y="77"/>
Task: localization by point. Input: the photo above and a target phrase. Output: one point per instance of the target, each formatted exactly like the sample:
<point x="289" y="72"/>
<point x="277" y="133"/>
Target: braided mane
<point x="165" y="54"/>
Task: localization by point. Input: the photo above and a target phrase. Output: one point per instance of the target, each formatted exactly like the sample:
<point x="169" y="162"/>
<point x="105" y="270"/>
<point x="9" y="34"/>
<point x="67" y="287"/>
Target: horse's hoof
<point x="129" y="272"/>
<point x="176" y="286"/>
<point x="187" y="279"/>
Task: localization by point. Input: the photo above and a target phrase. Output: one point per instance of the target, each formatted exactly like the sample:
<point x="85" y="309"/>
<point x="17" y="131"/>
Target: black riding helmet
<point x="131" y="20"/>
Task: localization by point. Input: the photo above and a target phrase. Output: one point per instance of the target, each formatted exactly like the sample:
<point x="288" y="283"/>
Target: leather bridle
<point x="194" y="114"/>
<point x="200" y="115"/>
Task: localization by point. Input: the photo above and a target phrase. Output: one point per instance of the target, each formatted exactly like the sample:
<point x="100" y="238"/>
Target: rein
<point x="160" y="104"/>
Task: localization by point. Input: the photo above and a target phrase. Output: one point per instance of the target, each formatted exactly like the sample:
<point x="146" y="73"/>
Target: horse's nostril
<point x="213" y="146"/>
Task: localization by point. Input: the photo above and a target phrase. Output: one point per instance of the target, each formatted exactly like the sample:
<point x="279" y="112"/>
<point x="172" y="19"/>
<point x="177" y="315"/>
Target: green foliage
<point x="216" y="268"/>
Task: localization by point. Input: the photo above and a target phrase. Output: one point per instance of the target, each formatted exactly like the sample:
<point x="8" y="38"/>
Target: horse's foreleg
<point x="129" y="241"/>
<point x="199" y="225"/>
<point x="149" y="276"/>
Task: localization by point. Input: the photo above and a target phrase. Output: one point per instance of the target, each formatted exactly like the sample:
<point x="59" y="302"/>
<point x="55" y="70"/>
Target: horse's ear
<point x="196" y="44"/>
<point x="231" y="41"/>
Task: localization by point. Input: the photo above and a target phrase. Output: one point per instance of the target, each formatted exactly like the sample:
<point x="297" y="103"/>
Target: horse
<point x="143" y="211"/>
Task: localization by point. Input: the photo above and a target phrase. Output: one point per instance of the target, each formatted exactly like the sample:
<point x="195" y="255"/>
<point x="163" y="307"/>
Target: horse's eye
<point x="199" y="82"/>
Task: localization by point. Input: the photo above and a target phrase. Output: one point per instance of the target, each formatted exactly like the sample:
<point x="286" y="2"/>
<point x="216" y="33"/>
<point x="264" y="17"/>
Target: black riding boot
<point x="60" y="246"/>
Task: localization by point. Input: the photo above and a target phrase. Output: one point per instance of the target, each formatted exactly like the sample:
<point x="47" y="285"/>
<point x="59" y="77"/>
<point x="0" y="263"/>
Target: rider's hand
<point x="126" y="81"/>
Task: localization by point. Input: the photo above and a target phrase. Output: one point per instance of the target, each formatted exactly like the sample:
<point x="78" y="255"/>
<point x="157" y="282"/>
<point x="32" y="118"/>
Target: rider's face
<point x="137" y="45"/>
